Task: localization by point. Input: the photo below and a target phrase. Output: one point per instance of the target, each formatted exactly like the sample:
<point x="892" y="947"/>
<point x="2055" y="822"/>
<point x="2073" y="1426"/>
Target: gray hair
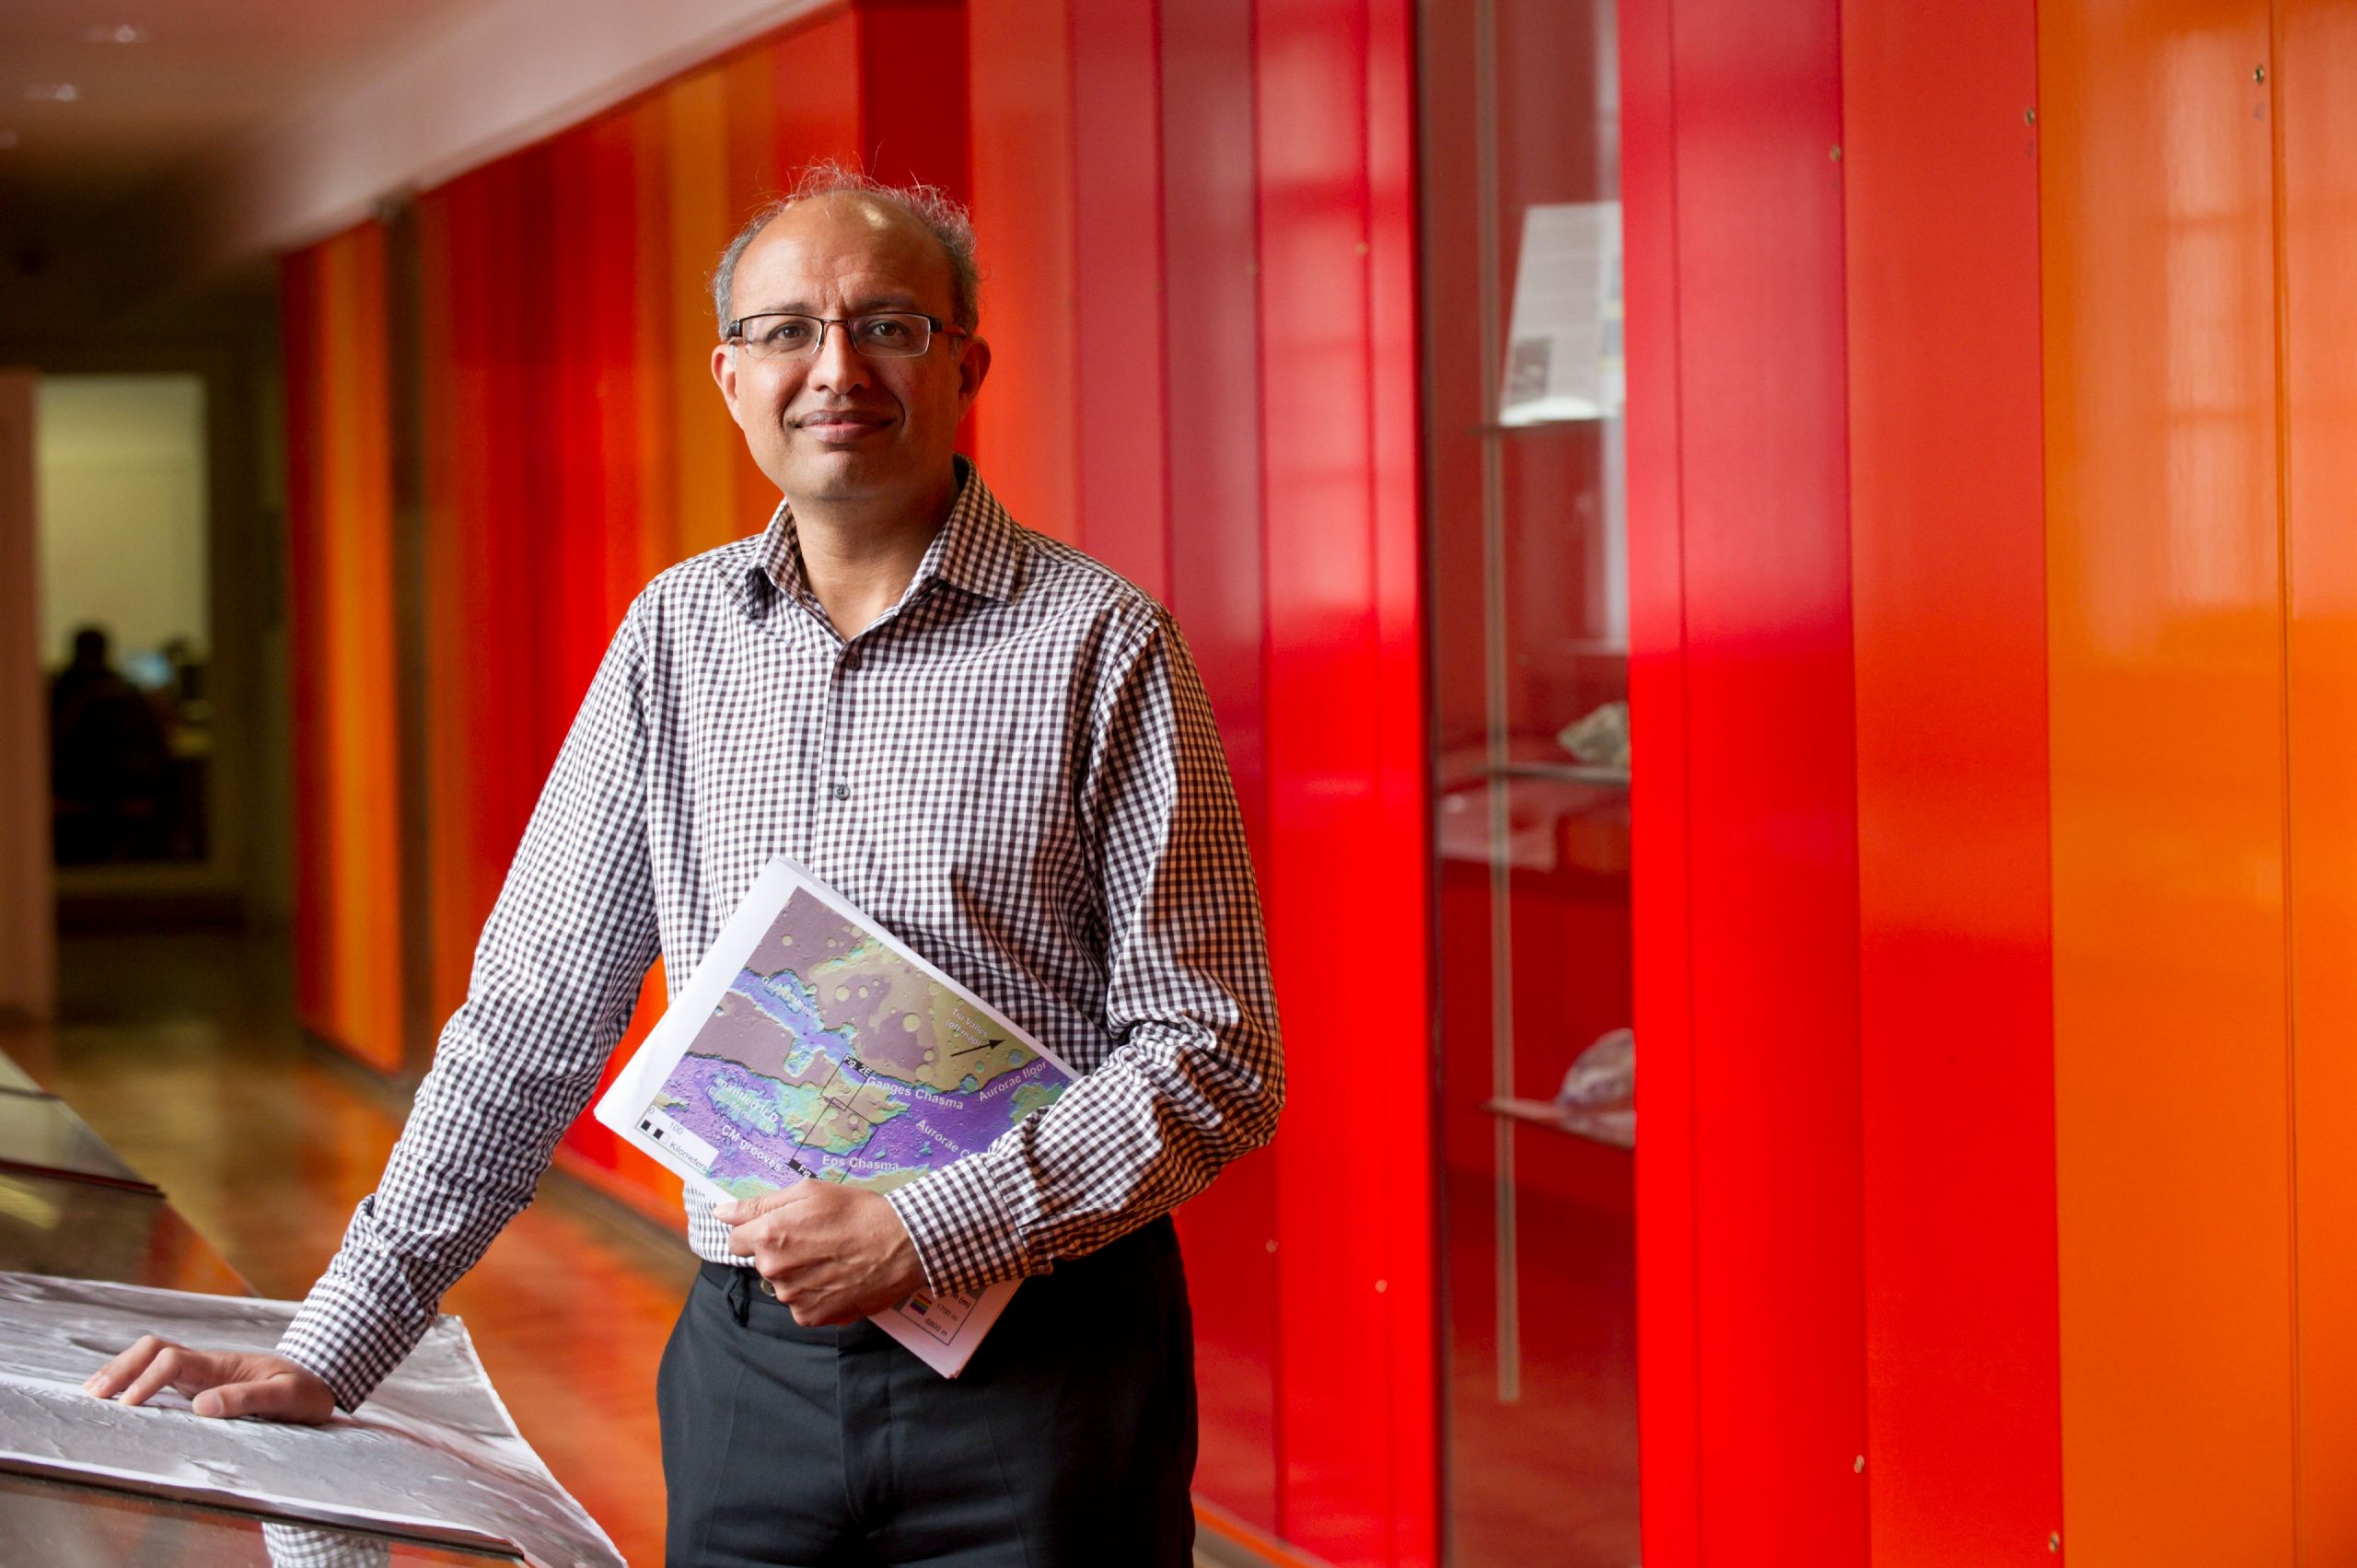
<point x="943" y="217"/>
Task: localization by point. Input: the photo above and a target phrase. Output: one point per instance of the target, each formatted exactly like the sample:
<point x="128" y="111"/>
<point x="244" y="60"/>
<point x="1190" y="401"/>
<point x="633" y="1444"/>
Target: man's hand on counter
<point x="217" y="1382"/>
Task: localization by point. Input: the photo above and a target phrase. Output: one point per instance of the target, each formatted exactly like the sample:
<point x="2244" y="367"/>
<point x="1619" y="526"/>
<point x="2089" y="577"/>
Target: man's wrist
<point x="964" y="1236"/>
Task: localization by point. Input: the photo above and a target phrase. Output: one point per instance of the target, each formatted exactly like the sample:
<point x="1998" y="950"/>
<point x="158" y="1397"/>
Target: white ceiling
<point x="209" y="72"/>
<point x="239" y="128"/>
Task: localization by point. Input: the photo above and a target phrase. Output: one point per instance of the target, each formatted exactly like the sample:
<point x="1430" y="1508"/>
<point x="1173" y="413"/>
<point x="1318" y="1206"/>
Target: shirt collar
<point x="977" y="550"/>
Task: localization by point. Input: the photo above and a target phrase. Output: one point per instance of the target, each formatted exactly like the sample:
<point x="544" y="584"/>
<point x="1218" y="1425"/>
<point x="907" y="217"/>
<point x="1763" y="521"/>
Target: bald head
<point x="850" y="202"/>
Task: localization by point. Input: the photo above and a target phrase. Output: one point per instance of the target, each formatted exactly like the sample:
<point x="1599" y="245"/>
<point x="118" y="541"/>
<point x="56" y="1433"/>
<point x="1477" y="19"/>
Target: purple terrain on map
<point x="790" y="1078"/>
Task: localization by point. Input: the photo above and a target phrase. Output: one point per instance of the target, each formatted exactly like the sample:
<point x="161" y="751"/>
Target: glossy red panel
<point x="1019" y="55"/>
<point x="1344" y="735"/>
<point x="1212" y="386"/>
<point x="1750" y="1295"/>
<point x="1669" y="1303"/>
<point x="1118" y="323"/>
<point x="1948" y="548"/>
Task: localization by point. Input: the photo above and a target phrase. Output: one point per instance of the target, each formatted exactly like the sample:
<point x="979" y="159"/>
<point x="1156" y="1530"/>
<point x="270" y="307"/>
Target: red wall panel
<point x="1344" y="742"/>
<point x="1948" y="528"/>
<point x="1669" y="1387"/>
<point x="1020" y="54"/>
<point x="1748" y="1198"/>
<point x="1211" y="329"/>
<point x="1118" y="323"/>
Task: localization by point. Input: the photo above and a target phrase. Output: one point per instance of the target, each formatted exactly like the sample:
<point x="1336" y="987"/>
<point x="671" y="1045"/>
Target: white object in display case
<point x="1564" y="356"/>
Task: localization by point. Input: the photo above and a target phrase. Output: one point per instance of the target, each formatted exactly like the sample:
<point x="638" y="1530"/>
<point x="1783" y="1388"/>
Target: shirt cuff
<point x="349" y="1344"/>
<point x="965" y="1236"/>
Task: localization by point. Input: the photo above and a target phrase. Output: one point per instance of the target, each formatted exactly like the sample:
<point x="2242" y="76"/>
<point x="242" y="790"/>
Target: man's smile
<point x="843" y="425"/>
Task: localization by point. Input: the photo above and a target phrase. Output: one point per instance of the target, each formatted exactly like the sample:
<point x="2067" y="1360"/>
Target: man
<point x="999" y="750"/>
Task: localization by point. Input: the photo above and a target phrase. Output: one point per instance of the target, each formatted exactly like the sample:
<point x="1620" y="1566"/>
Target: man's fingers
<point x="745" y="1209"/>
<point x="110" y="1379"/>
<point x="275" y="1397"/>
<point x="172" y="1366"/>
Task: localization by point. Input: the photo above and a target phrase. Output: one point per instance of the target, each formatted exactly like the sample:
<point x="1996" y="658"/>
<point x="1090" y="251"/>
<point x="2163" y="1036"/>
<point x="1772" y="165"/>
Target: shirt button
<point x="842" y="792"/>
<point x="850" y="658"/>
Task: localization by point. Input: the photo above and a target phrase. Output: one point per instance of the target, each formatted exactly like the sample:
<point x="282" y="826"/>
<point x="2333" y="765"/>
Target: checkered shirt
<point x="1014" y="770"/>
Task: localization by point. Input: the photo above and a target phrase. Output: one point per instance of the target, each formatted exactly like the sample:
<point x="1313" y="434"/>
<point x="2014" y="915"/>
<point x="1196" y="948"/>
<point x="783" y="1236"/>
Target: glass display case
<point x="1527" y="578"/>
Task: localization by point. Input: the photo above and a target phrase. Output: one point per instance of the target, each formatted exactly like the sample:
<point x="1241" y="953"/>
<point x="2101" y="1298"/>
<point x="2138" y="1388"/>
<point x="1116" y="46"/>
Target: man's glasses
<point x="882" y="334"/>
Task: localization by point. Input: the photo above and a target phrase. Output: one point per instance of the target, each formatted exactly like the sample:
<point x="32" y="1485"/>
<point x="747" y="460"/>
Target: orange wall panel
<point x="2317" y="130"/>
<point x="2172" y="1097"/>
<point x="345" y="723"/>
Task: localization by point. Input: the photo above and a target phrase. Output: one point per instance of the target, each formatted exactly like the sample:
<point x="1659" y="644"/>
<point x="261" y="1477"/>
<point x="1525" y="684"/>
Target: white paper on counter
<point x="432" y="1453"/>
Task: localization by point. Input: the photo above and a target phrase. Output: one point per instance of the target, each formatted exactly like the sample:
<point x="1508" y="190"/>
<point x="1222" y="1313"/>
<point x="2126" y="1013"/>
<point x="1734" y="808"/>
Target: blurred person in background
<point x="107" y="759"/>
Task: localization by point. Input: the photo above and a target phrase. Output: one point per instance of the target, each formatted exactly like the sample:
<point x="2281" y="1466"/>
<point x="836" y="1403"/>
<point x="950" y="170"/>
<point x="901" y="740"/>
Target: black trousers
<point x="1069" y="1440"/>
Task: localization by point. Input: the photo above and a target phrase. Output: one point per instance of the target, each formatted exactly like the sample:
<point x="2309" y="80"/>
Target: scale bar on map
<point x="667" y="1130"/>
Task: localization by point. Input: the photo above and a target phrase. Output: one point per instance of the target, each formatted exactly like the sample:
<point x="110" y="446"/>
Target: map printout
<point x="811" y="1045"/>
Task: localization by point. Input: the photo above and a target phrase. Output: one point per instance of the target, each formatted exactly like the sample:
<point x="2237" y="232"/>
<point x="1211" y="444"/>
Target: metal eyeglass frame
<point x="935" y="328"/>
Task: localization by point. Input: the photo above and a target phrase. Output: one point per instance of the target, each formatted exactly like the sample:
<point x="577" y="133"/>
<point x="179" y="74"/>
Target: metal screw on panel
<point x="2029" y="116"/>
<point x="1272" y="1246"/>
<point x="2258" y="74"/>
<point x="1382" y="1285"/>
<point x="2054" y="1541"/>
<point x="1860" y="1468"/>
<point x="1834" y="152"/>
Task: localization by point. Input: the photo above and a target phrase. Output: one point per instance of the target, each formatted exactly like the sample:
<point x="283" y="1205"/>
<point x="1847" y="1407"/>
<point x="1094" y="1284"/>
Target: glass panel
<point x="54" y="1521"/>
<point x="1529" y="627"/>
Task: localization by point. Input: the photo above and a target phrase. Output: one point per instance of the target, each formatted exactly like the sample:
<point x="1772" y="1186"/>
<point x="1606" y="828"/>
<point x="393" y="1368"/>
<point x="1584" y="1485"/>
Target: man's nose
<point x="835" y="366"/>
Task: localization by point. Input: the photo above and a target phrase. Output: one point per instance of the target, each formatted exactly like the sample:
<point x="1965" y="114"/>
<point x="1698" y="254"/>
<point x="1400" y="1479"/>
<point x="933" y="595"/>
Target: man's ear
<point x="972" y="365"/>
<point x="724" y="375"/>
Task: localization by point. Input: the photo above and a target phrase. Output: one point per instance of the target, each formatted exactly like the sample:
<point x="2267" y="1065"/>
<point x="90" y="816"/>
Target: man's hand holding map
<point x="811" y="1045"/>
